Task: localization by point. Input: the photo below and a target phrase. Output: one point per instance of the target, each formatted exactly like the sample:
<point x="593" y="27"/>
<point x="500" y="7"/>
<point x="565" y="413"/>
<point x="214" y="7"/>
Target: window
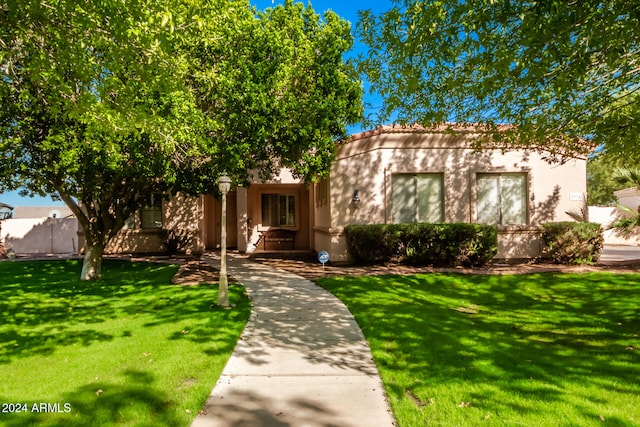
<point x="417" y="198"/>
<point x="279" y="210"/>
<point x="322" y="192"/>
<point x="151" y="214"/>
<point x="502" y="198"/>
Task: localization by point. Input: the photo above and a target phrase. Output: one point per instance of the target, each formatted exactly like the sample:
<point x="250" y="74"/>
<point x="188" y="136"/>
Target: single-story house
<point x="393" y="174"/>
<point x="6" y="211"/>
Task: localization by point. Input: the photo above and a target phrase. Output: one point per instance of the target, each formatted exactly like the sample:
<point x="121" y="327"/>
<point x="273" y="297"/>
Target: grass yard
<point x="129" y="350"/>
<point x="516" y="350"/>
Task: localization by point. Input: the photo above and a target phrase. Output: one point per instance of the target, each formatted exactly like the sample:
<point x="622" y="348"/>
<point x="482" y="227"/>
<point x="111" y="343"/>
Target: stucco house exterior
<point x="392" y="174"/>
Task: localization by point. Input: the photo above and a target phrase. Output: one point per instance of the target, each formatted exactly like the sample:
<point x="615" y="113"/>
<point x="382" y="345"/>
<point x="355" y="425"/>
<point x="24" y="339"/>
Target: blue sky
<point x="347" y="9"/>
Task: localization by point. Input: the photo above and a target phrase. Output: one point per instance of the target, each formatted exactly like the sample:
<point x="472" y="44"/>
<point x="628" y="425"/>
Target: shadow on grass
<point x="43" y="306"/>
<point x="529" y="336"/>
<point x="102" y="403"/>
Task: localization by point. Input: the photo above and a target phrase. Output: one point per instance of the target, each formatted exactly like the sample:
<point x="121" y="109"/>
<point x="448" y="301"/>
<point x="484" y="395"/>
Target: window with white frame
<point x="417" y="198"/>
<point x="502" y="198"/>
<point x="279" y="210"/>
<point x="151" y="214"/>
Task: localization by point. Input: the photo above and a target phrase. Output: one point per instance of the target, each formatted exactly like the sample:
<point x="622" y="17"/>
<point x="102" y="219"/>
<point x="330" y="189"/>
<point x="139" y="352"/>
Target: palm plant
<point x="582" y="214"/>
<point x="631" y="219"/>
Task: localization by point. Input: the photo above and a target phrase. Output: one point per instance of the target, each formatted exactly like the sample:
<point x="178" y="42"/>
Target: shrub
<point x="423" y="244"/>
<point x="572" y="242"/>
<point x="176" y="241"/>
<point x="373" y="244"/>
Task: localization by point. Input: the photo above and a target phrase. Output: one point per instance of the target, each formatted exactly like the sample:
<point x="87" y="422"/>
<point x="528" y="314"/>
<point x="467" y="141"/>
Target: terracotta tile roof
<point x="415" y="128"/>
<point x="581" y="148"/>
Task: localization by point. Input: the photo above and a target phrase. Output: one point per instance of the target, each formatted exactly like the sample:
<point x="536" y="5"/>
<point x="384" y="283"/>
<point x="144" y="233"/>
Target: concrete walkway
<point x="301" y="361"/>
<point x="616" y="254"/>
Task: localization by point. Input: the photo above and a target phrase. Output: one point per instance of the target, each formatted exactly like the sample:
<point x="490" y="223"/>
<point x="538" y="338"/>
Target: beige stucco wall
<point x="604" y="216"/>
<point x="255" y="225"/>
<point x="250" y="222"/>
<point x="368" y="163"/>
<point x="40" y="235"/>
<point x="179" y="212"/>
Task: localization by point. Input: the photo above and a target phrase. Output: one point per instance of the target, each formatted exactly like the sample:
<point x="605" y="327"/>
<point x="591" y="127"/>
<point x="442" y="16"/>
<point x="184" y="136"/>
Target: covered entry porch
<point x="272" y="217"/>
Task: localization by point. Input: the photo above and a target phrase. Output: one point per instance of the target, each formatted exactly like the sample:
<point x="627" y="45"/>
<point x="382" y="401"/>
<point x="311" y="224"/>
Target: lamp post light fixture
<point x="224" y="185"/>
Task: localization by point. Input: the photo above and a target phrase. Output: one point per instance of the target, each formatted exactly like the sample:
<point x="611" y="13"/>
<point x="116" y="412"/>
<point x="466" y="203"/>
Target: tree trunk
<point x="92" y="265"/>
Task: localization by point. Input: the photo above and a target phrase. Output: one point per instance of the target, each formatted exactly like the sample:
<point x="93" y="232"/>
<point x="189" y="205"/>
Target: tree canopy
<point x="106" y="103"/>
<point x="274" y="91"/>
<point x="605" y="176"/>
<point x="557" y="70"/>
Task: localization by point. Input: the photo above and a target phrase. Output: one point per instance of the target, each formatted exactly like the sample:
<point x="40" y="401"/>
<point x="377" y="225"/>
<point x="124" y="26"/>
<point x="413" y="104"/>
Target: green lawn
<point x="517" y="350"/>
<point x="128" y="350"/>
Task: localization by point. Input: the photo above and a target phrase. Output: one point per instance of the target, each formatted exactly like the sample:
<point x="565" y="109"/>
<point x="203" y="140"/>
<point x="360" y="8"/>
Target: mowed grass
<point x="516" y="350"/>
<point x="129" y="350"/>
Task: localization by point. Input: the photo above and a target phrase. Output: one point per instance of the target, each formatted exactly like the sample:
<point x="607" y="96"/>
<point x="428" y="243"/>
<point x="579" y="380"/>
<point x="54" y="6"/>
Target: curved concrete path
<point x="301" y="361"/>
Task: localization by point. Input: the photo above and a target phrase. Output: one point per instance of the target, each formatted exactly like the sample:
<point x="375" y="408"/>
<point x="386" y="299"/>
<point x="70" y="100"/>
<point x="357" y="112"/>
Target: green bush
<point x="422" y="244"/>
<point x="176" y="241"/>
<point x="373" y="244"/>
<point x="572" y="242"/>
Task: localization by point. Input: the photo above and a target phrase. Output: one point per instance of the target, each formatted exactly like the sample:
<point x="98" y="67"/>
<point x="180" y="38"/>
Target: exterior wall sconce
<point x="356" y="199"/>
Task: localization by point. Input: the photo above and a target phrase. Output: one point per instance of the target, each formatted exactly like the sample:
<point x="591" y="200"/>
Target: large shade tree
<point x="81" y="88"/>
<point x="558" y="70"/>
<point x="274" y="91"/>
<point x="105" y="103"/>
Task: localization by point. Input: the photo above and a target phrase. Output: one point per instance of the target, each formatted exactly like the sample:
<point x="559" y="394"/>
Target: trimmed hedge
<point x="423" y="244"/>
<point x="572" y="242"/>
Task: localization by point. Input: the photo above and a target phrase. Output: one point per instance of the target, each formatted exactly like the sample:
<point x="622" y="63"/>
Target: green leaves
<point x="106" y="102"/>
<point x="273" y="87"/>
<point x="555" y="69"/>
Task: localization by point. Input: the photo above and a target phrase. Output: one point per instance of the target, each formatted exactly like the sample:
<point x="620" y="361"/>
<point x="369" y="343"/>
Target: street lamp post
<point x="224" y="185"/>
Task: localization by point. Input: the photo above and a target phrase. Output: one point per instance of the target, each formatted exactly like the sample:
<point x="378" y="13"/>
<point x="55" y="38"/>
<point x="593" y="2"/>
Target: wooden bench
<point x="279" y="240"/>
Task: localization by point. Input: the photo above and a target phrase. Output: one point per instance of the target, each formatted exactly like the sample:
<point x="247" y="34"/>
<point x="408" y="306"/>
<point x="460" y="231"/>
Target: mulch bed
<point x="313" y="270"/>
<point x="194" y="271"/>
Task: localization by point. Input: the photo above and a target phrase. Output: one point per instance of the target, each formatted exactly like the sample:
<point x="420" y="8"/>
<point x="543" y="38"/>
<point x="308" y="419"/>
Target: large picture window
<point x="279" y="210"/>
<point x="151" y="214"/>
<point x="502" y="198"/>
<point x="417" y="198"/>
